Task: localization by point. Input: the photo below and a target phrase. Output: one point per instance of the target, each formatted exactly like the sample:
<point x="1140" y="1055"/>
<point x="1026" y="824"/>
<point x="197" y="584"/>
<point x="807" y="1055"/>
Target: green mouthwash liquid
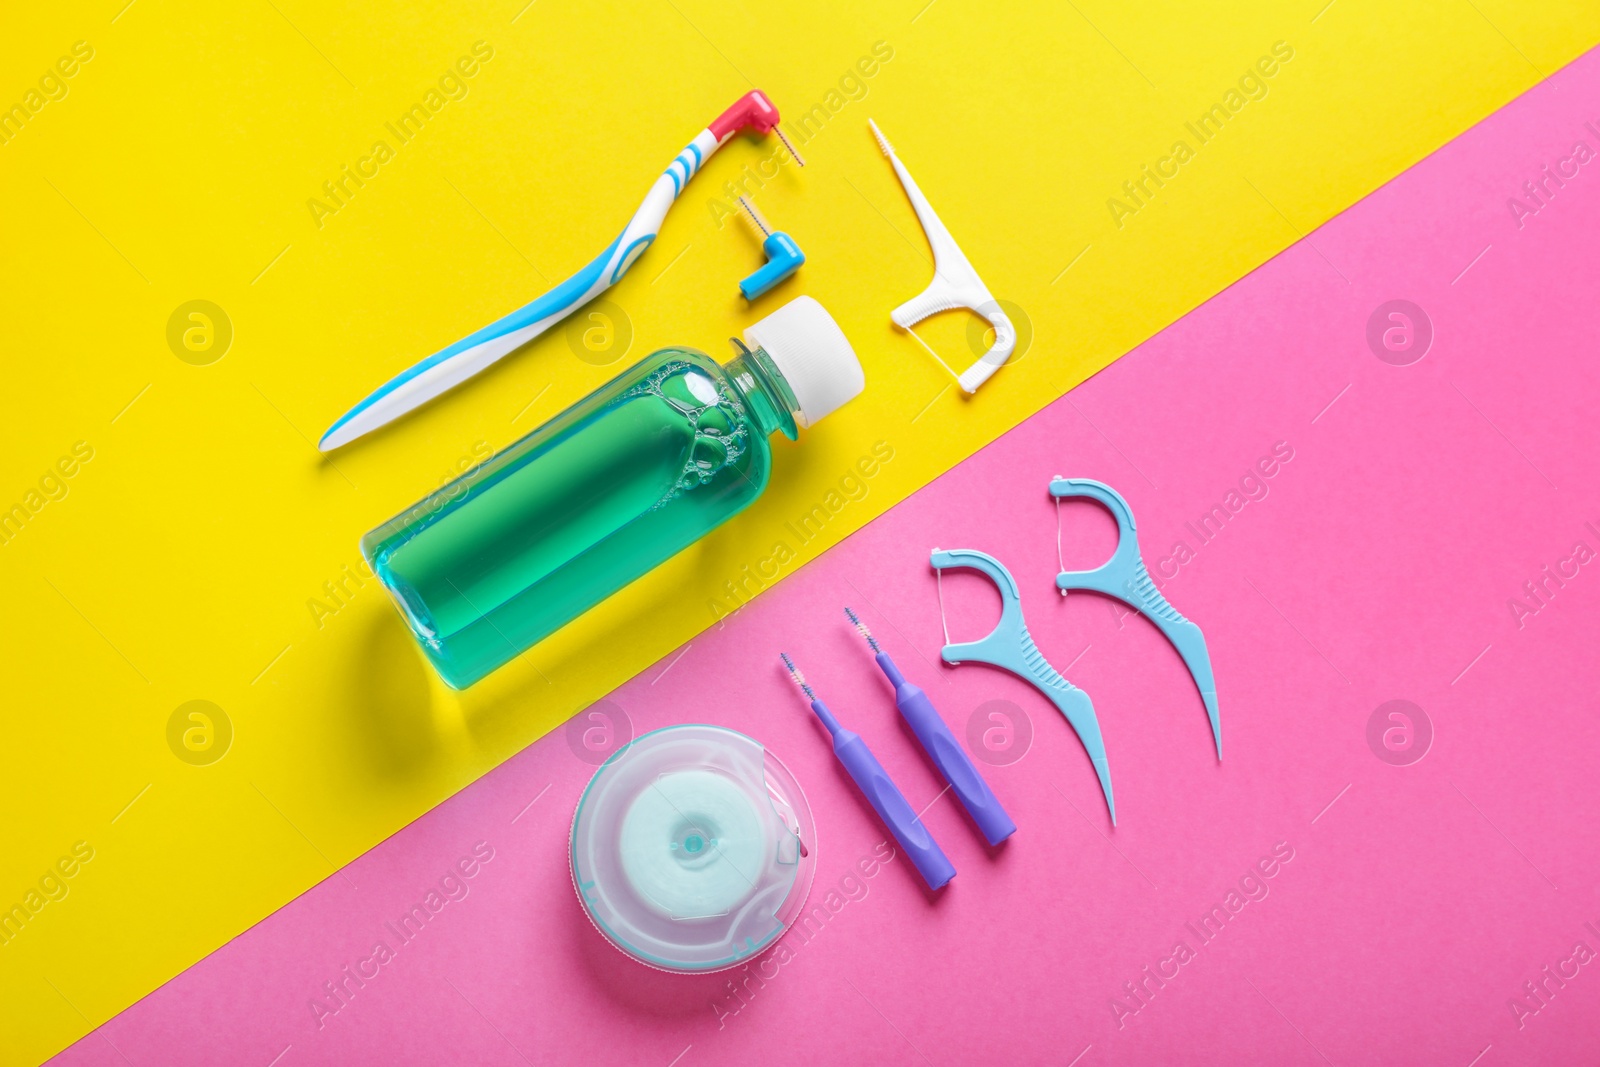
<point x="621" y="481"/>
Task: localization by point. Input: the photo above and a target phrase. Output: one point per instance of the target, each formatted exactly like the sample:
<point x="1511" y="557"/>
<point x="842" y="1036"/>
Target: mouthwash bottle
<point x="627" y="477"/>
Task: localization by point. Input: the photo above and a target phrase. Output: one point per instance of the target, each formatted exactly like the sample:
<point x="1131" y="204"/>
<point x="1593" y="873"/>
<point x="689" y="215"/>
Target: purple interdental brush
<point x="942" y="747"/>
<point x="880" y="791"/>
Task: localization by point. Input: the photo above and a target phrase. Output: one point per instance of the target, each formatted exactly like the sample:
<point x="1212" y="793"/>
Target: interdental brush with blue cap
<point x="451" y="366"/>
<point x="783" y="255"/>
<point x="1125" y="577"/>
<point x="1010" y="647"/>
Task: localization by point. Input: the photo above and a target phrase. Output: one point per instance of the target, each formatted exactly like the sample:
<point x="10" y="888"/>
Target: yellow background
<point x="180" y="562"/>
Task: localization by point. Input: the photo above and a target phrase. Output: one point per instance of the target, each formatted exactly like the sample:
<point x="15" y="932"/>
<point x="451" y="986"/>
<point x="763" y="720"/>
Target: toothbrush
<point x="453" y="365"/>
<point x="941" y="746"/>
<point x="880" y="791"/>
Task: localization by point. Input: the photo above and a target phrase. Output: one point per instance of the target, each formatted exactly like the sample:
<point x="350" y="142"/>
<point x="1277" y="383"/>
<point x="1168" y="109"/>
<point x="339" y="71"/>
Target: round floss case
<point x="692" y="848"/>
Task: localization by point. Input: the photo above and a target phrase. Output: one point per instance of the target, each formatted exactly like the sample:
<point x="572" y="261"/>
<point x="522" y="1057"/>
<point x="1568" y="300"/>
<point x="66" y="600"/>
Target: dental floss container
<point x="693" y="848"/>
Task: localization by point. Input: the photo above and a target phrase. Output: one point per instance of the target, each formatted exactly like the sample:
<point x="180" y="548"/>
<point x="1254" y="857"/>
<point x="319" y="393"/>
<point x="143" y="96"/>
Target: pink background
<point x="1379" y="566"/>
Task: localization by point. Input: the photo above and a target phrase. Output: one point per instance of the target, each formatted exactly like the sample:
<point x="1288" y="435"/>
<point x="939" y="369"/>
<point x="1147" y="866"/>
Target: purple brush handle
<point x="948" y="755"/>
<point x="887" y="800"/>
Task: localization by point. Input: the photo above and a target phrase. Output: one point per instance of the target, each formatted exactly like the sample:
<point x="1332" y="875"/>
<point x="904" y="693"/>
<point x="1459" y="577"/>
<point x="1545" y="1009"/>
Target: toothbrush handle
<point x="892" y="807"/>
<point x="954" y="763"/>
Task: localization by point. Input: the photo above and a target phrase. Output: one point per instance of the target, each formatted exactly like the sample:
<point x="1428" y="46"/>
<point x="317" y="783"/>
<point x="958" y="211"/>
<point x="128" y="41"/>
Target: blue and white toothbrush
<point x="451" y="366"/>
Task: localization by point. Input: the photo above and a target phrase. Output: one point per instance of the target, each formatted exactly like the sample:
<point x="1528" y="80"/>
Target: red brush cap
<point x="752" y="110"/>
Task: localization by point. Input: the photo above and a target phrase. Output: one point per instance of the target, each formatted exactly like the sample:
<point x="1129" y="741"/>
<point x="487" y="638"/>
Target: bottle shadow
<point x="388" y="697"/>
<point x="546" y="685"/>
<point x="556" y="678"/>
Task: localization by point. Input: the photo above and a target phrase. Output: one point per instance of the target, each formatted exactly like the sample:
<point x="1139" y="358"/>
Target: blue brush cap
<point x="783" y="259"/>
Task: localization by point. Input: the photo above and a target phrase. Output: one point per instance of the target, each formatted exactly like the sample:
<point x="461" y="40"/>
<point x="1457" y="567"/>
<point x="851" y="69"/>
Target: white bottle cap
<point x="814" y="355"/>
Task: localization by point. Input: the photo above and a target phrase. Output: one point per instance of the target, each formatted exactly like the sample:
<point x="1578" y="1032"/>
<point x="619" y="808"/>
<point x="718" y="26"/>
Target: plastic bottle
<point x="627" y="477"/>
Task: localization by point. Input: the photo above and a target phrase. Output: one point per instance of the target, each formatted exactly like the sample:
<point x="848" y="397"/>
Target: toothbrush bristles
<point x="799" y="679"/>
<point x="855" y="620"/>
<point x="779" y="131"/>
<point x="754" y="217"/>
